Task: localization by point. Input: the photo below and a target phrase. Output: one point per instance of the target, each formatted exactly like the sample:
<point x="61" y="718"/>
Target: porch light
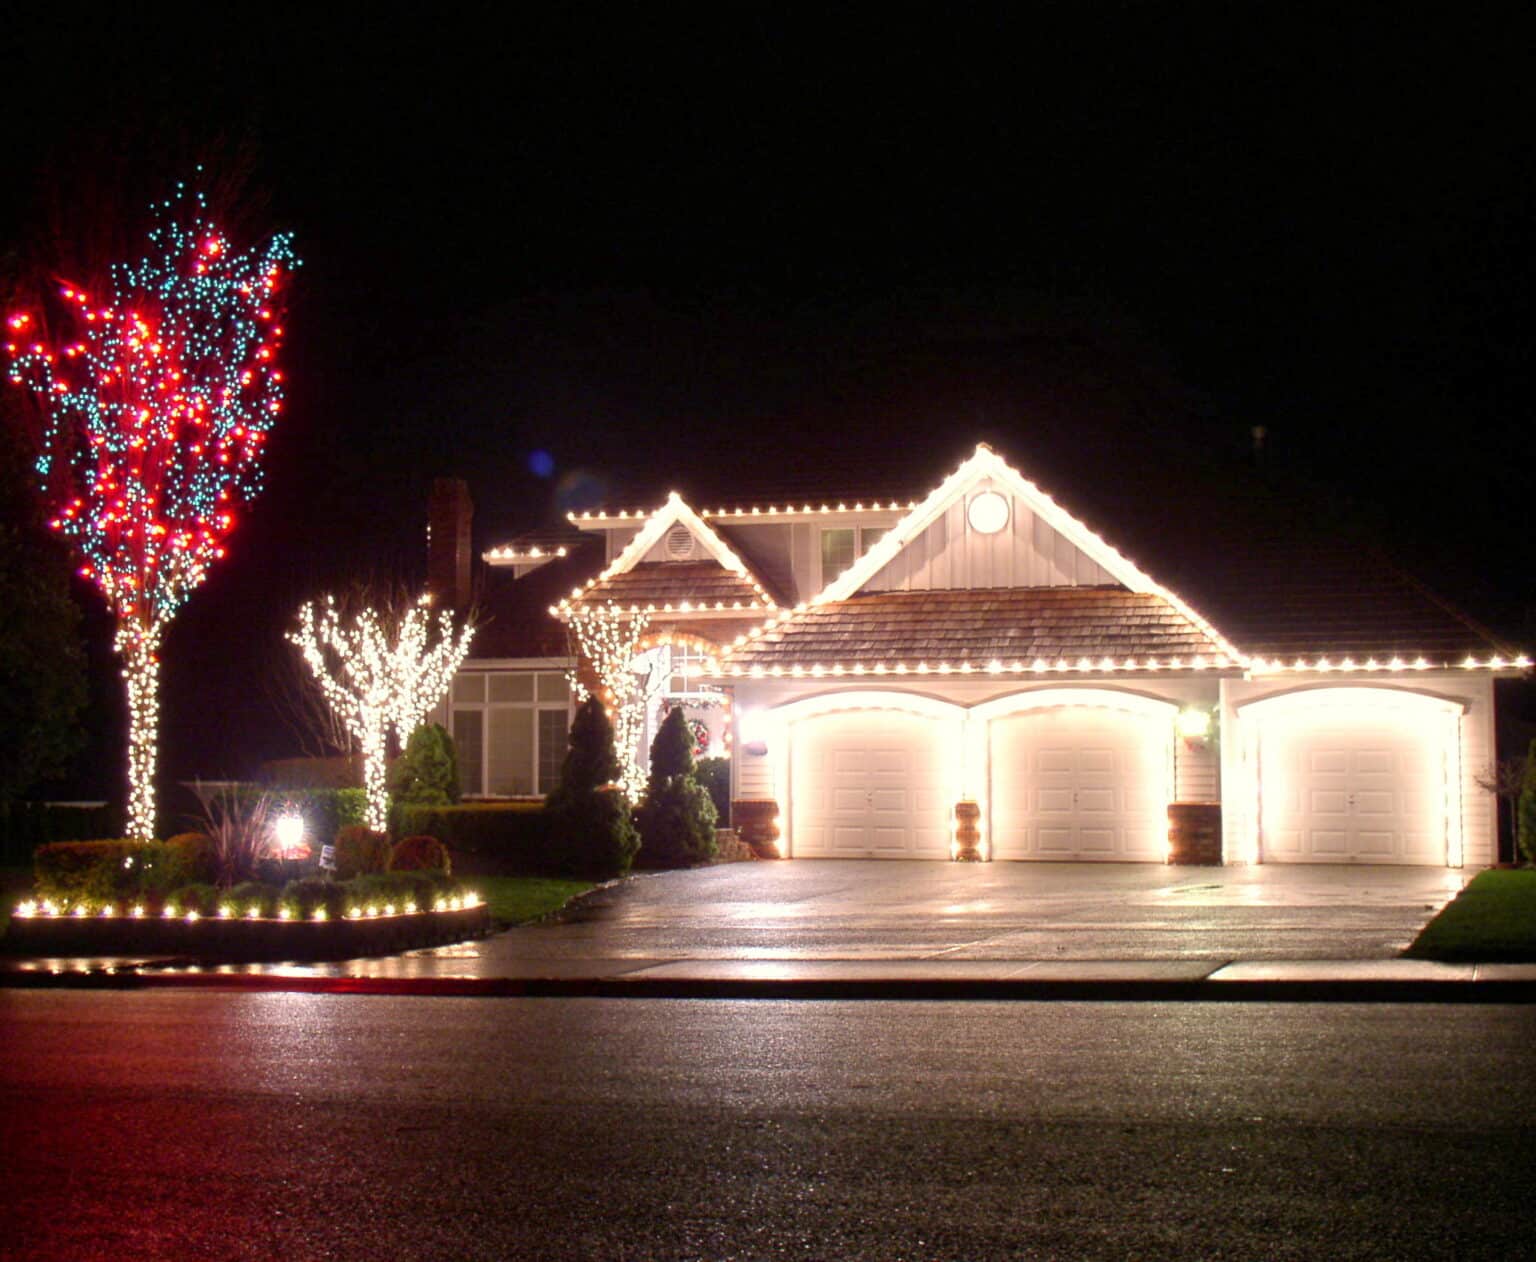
<point x="1194" y="724"/>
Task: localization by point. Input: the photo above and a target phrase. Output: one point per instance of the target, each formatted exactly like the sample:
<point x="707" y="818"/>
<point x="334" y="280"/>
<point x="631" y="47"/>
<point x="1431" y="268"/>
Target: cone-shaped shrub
<point x="677" y="817"/>
<point x="591" y="834"/>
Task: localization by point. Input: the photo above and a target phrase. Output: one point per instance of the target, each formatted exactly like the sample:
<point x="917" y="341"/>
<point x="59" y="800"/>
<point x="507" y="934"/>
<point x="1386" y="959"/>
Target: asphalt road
<point x="216" y="1125"/>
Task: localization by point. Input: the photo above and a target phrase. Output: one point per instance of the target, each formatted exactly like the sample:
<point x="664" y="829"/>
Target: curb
<point x="1121" y="991"/>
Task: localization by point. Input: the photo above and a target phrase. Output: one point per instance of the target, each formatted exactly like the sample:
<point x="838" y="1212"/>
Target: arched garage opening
<point x="870" y="775"/>
<point x="1076" y="774"/>
<point x="1354" y="775"/>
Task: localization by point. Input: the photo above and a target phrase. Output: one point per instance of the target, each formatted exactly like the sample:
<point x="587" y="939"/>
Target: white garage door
<point x="1079" y="783"/>
<point x="1337" y="788"/>
<point x="868" y="784"/>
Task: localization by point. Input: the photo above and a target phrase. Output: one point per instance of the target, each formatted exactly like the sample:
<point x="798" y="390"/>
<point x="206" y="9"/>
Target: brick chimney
<point x="449" y="512"/>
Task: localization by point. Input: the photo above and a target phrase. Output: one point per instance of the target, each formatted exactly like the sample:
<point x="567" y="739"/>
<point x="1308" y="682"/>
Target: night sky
<point x="651" y="240"/>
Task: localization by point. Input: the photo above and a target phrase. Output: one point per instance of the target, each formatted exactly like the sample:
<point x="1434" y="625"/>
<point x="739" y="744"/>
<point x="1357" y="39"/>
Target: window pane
<point x="554" y="688"/>
<point x="870" y="535"/>
<point x="509" y="758"/>
<point x="511" y="687"/>
<point x="468" y="747"/>
<point x="554" y="738"/>
<point x="837" y="549"/>
<point x="469" y="688"/>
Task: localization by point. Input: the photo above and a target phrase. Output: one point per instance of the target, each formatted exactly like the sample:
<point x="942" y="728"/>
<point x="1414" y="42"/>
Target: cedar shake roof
<point x="1014" y="627"/>
<point x="676" y="585"/>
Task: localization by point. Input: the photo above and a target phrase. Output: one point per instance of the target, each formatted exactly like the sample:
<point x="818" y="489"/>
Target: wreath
<point x="700" y="730"/>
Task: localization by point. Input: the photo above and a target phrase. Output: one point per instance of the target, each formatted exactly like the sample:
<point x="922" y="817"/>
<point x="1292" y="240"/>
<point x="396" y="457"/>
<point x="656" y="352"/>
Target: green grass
<point x="1493" y="919"/>
<point x="514" y="899"/>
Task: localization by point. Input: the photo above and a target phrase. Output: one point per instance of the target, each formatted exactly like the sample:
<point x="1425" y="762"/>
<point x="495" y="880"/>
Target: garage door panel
<point x="1343" y="787"/>
<point x="1078" y="782"/>
<point x="868" y="783"/>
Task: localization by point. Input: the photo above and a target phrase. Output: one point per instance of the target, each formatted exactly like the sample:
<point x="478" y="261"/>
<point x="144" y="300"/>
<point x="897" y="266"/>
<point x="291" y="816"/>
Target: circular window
<point x="987" y="513"/>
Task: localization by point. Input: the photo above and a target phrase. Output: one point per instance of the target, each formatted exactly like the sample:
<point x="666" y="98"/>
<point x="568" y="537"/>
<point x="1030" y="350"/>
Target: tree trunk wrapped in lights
<point x="609" y="639"/>
<point x="155" y="392"/>
<point x="381" y="671"/>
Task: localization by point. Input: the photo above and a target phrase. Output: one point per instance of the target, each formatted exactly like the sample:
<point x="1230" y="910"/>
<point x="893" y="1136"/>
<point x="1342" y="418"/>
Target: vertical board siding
<point x="1027" y="553"/>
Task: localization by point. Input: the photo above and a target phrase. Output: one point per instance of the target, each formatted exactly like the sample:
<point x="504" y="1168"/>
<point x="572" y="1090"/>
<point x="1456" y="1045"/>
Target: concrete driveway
<point x="807" y="909"/>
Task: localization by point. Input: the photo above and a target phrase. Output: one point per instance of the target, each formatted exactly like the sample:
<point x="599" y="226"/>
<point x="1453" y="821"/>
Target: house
<point x="1082" y="669"/>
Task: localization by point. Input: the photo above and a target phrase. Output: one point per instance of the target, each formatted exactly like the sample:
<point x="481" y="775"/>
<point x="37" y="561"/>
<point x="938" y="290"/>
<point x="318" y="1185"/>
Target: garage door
<point x="1079" y="783"/>
<point x="868" y="784"/>
<point x="1336" y="788"/>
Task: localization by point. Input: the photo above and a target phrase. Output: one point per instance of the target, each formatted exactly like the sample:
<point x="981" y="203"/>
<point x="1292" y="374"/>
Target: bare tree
<point x="1505" y="778"/>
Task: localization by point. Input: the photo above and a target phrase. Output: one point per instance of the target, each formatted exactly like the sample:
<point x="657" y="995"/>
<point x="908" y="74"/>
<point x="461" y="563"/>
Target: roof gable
<point x="709" y="556"/>
<point x="1086" y="559"/>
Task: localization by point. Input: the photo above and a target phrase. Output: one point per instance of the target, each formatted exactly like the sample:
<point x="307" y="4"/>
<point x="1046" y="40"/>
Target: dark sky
<point x="647" y="238"/>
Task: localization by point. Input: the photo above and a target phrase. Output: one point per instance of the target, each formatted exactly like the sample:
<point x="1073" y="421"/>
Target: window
<point x="838" y="549"/>
<point x="510" y="728"/>
<point x="841" y="545"/>
<point x="688" y="662"/>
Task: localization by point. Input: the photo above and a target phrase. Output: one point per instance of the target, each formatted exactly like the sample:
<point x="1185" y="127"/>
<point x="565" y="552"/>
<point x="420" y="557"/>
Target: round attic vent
<point x="679" y="543"/>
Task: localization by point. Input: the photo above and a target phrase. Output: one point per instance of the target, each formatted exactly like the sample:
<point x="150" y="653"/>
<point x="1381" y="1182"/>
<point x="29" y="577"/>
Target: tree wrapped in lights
<point x="381" y="672"/>
<point x="609" y="639"/>
<point x="155" y="396"/>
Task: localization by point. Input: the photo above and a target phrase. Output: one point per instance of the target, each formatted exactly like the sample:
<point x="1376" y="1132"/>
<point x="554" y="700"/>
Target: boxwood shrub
<point x="102" y="871"/>
<point x="485" y="838"/>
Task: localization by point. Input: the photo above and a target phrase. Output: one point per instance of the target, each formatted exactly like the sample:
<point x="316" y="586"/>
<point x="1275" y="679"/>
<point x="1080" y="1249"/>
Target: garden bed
<point x="38" y="931"/>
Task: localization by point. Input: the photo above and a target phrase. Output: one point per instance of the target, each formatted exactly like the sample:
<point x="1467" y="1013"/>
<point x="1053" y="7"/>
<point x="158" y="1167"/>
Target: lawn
<point x="514" y="899"/>
<point x="1494" y="918"/>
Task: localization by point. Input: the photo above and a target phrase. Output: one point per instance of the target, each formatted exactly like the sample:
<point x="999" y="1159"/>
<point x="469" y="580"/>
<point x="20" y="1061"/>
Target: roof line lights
<point x="508" y="553"/>
<point x="673" y="512"/>
<point x="984" y="462"/>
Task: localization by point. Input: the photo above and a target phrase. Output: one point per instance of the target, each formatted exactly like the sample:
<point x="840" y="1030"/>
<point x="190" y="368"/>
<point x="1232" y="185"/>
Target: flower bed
<point x="49" y="929"/>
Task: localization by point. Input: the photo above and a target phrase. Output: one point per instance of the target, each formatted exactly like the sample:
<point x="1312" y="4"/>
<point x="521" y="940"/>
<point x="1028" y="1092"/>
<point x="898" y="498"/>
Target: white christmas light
<point x="380" y="675"/>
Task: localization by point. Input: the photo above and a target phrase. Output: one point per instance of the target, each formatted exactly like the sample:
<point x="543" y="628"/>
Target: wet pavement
<point x="820" y="928"/>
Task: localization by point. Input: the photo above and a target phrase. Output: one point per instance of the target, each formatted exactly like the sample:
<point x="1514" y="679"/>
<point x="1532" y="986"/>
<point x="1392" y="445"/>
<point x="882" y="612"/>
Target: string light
<point x="609" y="639"/>
<point x="380" y="674"/>
<point x="156" y="401"/>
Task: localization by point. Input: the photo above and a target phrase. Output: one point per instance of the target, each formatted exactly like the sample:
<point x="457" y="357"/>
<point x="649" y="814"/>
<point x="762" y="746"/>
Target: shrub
<point x="398" y="889"/>
<point x="198" y="896"/>
<point x="485" y="838"/>
<point x="85" y="871"/>
<point x="428" y="771"/>
<point x="591" y="834"/>
<point x="419" y="853"/>
<point x="677" y="817"/>
<point x="252" y="893"/>
<point x="304" y="897"/>
<point x="360" y="850"/>
<point x="1525" y="811"/>
<point x="194" y="857"/>
<point x="715" y="775"/>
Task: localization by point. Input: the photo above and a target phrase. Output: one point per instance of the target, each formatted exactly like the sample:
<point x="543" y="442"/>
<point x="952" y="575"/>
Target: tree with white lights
<point x="381" y="671"/>
<point x="155" y="390"/>
<point x="609" y="639"/>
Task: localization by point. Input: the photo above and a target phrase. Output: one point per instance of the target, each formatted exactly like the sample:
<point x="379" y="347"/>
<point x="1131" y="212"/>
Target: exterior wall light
<point x="1194" y="724"/>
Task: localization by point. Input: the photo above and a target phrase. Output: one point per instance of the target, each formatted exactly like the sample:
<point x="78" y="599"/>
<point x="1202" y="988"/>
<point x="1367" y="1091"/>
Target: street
<point x="208" y="1124"/>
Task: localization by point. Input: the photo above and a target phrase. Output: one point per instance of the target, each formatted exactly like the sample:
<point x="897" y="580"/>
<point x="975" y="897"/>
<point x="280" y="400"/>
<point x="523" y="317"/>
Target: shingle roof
<point x="676" y="585"/>
<point x="1012" y="627"/>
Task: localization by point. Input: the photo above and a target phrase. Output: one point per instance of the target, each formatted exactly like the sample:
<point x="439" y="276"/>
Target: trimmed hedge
<point x="100" y="871"/>
<point x="326" y="811"/>
<point x="486" y="838"/>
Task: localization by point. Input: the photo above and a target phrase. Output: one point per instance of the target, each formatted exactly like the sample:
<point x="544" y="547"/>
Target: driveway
<point x="808" y="909"/>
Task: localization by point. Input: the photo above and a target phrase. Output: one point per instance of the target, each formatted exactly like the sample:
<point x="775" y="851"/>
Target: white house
<point x="871" y="665"/>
